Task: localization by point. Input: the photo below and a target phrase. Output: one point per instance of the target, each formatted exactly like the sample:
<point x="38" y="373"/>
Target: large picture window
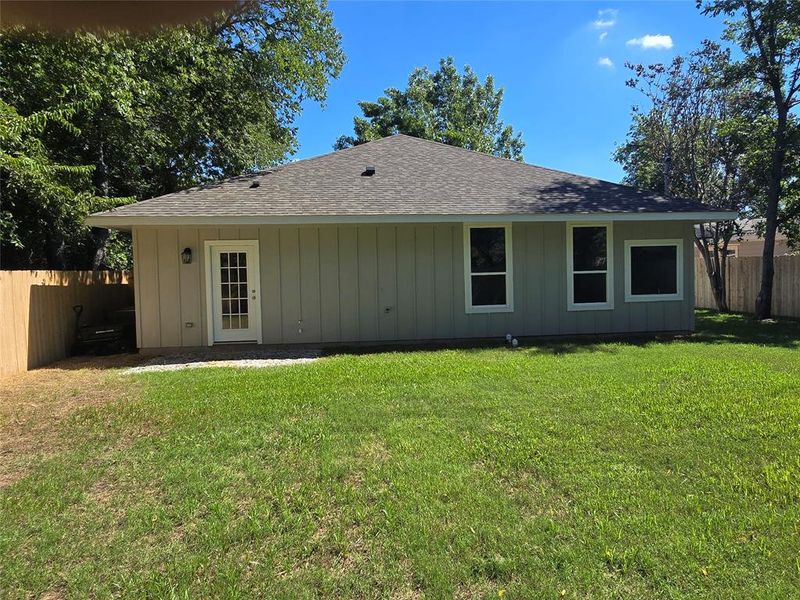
<point x="653" y="270"/>
<point x="589" y="267"/>
<point x="487" y="268"/>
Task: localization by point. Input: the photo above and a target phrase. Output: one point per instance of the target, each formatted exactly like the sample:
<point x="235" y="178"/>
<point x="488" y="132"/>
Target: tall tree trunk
<point x="56" y="248"/>
<point x="764" y="298"/>
<point x="100" y="236"/>
<point x="723" y="274"/>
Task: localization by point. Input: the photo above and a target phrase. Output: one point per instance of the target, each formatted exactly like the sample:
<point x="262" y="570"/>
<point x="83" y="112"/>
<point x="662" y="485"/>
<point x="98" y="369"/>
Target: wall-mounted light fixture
<point x="186" y="256"/>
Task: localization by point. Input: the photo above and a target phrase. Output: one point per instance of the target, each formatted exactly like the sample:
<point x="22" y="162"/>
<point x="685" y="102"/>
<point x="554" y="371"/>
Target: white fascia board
<point x="112" y="221"/>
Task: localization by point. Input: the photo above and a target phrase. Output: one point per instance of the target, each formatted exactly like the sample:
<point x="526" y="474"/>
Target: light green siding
<point x="366" y="283"/>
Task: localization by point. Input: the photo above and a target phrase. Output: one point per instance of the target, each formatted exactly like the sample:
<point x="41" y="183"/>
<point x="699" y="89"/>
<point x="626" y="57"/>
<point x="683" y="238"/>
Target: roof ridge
<point x="340" y="150"/>
<point x="511" y="160"/>
<point x="416" y="176"/>
<point x="536" y="166"/>
<point x="302" y="161"/>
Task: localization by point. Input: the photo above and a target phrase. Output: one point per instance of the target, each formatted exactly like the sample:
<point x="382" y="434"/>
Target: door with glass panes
<point x="234" y="282"/>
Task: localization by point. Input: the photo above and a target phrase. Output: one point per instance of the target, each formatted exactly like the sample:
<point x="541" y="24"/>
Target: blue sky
<point x="571" y="109"/>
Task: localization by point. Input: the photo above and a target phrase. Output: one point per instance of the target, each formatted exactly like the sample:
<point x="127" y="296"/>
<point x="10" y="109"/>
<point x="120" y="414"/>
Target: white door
<point x="235" y="314"/>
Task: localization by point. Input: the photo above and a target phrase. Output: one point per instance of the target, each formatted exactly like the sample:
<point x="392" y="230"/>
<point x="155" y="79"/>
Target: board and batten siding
<point x="368" y="283"/>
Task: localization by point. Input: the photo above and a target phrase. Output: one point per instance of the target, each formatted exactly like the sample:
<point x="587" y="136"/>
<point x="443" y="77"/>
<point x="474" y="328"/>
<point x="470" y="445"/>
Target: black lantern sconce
<point x="186" y="256"/>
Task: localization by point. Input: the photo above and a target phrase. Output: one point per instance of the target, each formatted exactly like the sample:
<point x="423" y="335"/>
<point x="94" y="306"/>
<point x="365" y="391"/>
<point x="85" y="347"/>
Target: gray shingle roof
<point x="413" y="177"/>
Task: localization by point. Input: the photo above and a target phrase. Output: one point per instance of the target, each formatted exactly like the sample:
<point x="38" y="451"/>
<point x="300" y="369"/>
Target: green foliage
<point x="709" y="134"/>
<point x="692" y="139"/>
<point x="119" y="251"/>
<point x="44" y="203"/>
<point x="759" y="137"/>
<point x="179" y="107"/>
<point x="607" y="470"/>
<point x="445" y="106"/>
<point x="768" y="35"/>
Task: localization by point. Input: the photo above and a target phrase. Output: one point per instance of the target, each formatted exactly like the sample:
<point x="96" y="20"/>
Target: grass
<point x="606" y="470"/>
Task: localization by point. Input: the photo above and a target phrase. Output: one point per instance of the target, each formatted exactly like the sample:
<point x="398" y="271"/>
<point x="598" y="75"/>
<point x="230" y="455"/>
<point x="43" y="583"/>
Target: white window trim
<point x="509" y="272"/>
<point x="629" y="297"/>
<point x="609" y="303"/>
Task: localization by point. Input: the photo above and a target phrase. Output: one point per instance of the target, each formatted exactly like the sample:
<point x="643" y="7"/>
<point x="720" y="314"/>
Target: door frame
<point x="255" y="277"/>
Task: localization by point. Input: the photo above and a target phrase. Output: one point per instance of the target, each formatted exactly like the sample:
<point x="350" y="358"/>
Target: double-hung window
<point x="589" y="267"/>
<point x="653" y="270"/>
<point x="488" y="268"/>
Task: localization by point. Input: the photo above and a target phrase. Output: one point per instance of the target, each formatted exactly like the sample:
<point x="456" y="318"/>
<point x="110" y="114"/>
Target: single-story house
<point x="407" y="239"/>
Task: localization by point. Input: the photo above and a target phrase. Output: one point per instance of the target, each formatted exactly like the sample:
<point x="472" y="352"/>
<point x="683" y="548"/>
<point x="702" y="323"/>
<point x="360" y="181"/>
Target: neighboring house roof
<point x="413" y="178"/>
<point x="749" y="229"/>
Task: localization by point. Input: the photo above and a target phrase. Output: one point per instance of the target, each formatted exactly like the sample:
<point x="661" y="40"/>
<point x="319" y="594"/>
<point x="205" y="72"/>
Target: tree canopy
<point x="725" y="132"/>
<point x="691" y="140"/>
<point x="43" y="201"/>
<point x="165" y="111"/>
<point x="768" y="35"/>
<point x="445" y="106"/>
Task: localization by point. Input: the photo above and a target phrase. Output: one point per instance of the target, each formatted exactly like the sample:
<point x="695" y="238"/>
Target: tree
<point x="44" y="203"/>
<point x="179" y="107"/>
<point x="693" y="142"/>
<point x="445" y="106"/>
<point x="768" y="33"/>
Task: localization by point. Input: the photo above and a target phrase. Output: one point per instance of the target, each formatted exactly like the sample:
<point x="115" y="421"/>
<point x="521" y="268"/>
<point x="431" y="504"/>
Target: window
<point x="653" y="270"/>
<point x="589" y="267"/>
<point x="487" y="268"/>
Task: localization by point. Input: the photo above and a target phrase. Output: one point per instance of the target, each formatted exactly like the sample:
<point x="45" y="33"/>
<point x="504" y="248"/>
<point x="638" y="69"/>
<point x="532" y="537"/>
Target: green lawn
<point x="606" y="470"/>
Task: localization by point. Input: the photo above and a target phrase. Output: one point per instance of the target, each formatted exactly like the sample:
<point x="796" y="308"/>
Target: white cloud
<point x="603" y="36"/>
<point x="606" y="18"/>
<point x="605" y="62"/>
<point x="652" y="42"/>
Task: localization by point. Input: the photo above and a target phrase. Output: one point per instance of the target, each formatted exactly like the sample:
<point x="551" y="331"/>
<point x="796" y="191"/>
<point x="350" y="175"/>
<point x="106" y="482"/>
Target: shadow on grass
<point x="711" y="328"/>
<point x="736" y="328"/>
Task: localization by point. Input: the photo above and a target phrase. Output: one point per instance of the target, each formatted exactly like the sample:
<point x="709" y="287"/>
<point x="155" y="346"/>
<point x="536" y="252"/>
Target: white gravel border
<point x="203" y="360"/>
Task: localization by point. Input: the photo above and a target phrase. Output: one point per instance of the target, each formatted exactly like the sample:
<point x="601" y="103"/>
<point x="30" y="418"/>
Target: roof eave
<point x="125" y="222"/>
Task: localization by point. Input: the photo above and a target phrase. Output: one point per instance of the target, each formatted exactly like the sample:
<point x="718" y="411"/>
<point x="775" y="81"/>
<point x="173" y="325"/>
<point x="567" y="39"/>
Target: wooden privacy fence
<point x="744" y="280"/>
<point x="37" y="323"/>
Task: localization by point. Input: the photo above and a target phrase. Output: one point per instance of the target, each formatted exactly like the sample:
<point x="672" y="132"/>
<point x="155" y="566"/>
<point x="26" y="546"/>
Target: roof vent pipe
<point x="369" y="171"/>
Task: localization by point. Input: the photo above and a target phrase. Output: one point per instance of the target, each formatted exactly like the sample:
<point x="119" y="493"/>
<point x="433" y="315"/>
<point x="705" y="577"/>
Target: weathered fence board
<point x="37" y="323"/>
<point x="744" y="279"/>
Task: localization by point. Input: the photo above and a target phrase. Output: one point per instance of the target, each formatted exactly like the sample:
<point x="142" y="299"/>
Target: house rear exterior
<point x="404" y="239"/>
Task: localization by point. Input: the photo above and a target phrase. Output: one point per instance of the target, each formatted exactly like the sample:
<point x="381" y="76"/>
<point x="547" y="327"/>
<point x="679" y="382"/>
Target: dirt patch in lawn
<point x="33" y="406"/>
